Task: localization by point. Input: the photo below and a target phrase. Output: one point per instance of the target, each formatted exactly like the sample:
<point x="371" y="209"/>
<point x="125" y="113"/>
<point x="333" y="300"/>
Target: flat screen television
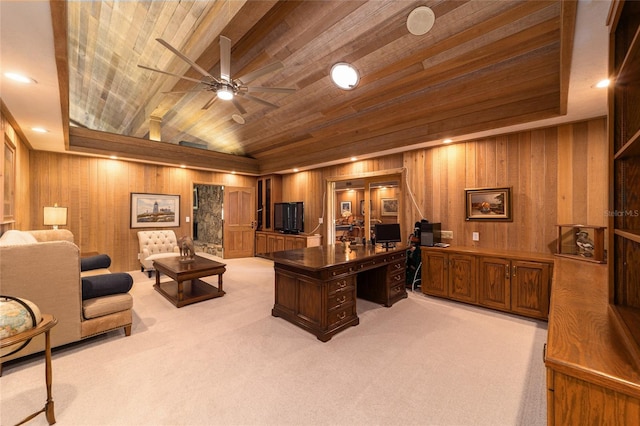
<point x="288" y="218"/>
<point x="387" y="234"/>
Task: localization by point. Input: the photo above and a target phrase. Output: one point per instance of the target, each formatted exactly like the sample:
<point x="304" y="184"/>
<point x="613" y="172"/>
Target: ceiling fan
<point x="225" y="87"/>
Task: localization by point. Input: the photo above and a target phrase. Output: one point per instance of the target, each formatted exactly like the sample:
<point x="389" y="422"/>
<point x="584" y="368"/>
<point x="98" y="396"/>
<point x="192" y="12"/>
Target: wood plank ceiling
<point x="484" y="64"/>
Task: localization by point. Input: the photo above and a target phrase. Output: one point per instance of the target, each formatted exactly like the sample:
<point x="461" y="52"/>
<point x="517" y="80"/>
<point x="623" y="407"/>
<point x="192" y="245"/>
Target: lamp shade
<point x="55" y="216"/>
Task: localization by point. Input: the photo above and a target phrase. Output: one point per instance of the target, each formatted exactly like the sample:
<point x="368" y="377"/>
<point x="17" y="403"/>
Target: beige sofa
<point x="48" y="273"/>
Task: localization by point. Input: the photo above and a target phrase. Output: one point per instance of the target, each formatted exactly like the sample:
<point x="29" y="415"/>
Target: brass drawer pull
<point x="342" y="315"/>
<point x="341" y="299"/>
<point x="342" y="284"/>
<point x="397" y="277"/>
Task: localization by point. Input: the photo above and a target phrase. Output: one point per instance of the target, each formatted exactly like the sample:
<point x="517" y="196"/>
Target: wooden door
<point x="239" y="221"/>
<point x="494" y="283"/>
<point x="530" y="288"/>
<point x="462" y="277"/>
<point x="434" y="273"/>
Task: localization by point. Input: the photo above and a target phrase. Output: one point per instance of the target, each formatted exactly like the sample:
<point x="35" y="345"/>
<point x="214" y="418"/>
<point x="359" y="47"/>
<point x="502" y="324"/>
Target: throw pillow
<point x="104" y="285"/>
<point x="14" y="237"/>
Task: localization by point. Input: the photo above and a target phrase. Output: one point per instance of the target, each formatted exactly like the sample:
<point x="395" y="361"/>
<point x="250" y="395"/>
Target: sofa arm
<point x="105" y="285"/>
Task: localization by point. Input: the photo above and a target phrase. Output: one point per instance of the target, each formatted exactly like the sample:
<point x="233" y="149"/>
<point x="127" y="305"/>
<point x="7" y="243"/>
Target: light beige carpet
<point x="227" y="361"/>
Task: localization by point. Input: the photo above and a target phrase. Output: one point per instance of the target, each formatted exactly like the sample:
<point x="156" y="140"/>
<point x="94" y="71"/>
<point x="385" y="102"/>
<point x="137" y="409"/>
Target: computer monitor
<point x="387" y="234"/>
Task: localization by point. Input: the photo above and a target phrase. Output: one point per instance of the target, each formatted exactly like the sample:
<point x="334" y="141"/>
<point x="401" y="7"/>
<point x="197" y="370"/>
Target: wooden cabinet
<point x="508" y="281"/>
<point x="268" y="242"/>
<point x="268" y="192"/>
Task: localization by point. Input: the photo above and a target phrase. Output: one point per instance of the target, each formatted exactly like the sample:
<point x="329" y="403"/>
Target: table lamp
<point x="55" y="216"/>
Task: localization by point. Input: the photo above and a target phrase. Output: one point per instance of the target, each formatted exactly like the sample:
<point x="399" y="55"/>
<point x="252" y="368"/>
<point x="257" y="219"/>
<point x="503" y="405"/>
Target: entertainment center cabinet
<point x="268" y="242"/>
<point x="515" y="282"/>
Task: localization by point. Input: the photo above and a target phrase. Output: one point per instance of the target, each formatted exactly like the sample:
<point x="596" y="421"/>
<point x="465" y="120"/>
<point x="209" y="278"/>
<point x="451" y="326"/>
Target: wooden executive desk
<point x="316" y="287"/>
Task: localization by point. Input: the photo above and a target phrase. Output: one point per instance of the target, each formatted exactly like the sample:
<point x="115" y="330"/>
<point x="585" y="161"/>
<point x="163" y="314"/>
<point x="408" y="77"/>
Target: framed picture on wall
<point x="155" y="210"/>
<point x="493" y="204"/>
<point x="345" y="206"/>
<point x="389" y="207"/>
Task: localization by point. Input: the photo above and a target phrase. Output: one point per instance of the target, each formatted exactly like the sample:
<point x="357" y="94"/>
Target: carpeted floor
<point x="227" y="361"/>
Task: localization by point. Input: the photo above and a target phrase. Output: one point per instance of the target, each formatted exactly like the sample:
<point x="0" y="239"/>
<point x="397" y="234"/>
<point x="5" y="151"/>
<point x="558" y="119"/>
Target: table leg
<point x="180" y="295"/>
<point x="220" y="282"/>
<point x="51" y="418"/>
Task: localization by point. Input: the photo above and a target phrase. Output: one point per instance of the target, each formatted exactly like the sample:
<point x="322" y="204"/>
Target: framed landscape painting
<point x="389" y="207"/>
<point x="155" y="210"/>
<point x="493" y="204"/>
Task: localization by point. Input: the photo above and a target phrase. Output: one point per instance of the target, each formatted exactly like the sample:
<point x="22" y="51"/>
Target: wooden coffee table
<point x="186" y="287"/>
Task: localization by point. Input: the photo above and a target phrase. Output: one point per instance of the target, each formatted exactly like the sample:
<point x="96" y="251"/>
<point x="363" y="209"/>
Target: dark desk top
<point x="314" y="258"/>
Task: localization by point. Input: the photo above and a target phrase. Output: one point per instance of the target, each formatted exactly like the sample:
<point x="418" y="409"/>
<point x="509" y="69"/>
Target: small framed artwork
<point x="362" y="212"/>
<point x="155" y="210"/>
<point x="493" y="204"/>
<point x="389" y="207"/>
<point x="345" y="206"/>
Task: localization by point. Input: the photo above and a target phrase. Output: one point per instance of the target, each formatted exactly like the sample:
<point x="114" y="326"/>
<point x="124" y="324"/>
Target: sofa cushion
<point x="14" y="238"/>
<point x="101" y="306"/>
<point x="101" y="261"/>
<point x="104" y="285"/>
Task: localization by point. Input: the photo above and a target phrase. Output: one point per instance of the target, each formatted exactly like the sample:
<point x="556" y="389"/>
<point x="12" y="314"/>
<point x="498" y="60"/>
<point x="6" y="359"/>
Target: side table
<point x="45" y="326"/>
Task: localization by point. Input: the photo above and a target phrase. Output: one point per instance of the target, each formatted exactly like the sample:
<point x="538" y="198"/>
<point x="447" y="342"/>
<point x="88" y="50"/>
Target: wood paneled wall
<point x="558" y="175"/>
<point x="97" y="194"/>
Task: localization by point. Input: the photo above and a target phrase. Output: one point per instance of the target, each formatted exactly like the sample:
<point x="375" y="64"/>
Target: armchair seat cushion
<point x="105" y="285"/>
<point x="101" y="306"/>
<point x="157" y="256"/>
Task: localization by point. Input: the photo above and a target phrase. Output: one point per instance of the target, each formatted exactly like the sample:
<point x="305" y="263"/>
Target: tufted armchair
<point x="156" y="245"/>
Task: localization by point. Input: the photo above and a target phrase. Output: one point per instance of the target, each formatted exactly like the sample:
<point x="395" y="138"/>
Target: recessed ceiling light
<point x="447" y="141"/>
<point x="345" y="76"/>
<point x="353" y="159"/>
<point x="113" y="157"/>
<point x="603" y="83"/>
<point x="233" y="172"/>
<point x="182" y="166"/>
<point x="296" y="170"/>
<point x="39" y="130"/>
<point x="19" y="77"/>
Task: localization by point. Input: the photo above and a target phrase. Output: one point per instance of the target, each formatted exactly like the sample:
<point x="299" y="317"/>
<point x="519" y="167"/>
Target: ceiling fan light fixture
<point x="345" y="76"/>
<point x="225" y="93"/>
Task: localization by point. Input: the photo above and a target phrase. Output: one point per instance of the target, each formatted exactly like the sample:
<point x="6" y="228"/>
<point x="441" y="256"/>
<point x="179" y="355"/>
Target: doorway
<point x="208" y="219"/>
<point x="357" y="203"/>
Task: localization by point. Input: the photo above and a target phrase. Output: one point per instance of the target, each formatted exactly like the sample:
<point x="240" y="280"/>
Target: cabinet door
<point x="494" y="283"/>
<point x="530" y="282"/>
<point x="462" y="277"/>
<point x="434" y="273"/>
<point x="261" y="243"/>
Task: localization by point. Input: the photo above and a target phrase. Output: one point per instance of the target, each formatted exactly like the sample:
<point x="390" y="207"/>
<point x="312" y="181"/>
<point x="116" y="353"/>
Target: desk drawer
<point x="345" y="313"/>
<point x="341" y="284"/>
<point x="395" y="267"/>
<point x="341" y="270"/>
<point x="340" y="298"/>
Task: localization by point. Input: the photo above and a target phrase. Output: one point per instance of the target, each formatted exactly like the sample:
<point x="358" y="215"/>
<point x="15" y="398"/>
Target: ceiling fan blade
<point x="271" y="89"/>
<point x="208" y="104"/>
<point x="247" y="78"/>
<point x="225" y="59"/>
<point x="182" y="91"/>
<point x="171" y="74"/>
<point x="184" y="58"/>
<point x="238" y="106"/>
<point x="260" y="101"/>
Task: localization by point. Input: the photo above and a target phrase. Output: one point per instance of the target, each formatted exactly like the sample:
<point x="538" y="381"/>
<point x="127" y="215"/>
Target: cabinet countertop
<point x="511" y="254"/>
<point x="583" y="339"/>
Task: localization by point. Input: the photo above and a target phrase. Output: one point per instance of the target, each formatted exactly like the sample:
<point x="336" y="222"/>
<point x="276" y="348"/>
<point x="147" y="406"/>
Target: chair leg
<point x="127" y="330"/>
<point x="149" y="273"/>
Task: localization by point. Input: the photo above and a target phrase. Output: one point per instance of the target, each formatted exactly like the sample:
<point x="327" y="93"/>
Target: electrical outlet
<point x="320" y="221"/>
<point x="187" y="219"/>
<point x="476" y="236"/>
<point x="446" y="235"/>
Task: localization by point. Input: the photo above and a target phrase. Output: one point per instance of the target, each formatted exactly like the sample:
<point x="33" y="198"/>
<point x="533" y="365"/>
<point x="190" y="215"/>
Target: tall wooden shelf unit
<point x="624" y="114"/>
<point x="593" y="341"/>
<point x="269" y="192"/>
